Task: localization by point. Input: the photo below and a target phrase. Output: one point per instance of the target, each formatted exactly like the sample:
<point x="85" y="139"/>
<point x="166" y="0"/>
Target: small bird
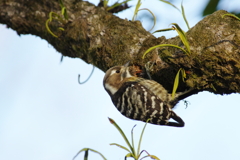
<point x="140" y="99"/>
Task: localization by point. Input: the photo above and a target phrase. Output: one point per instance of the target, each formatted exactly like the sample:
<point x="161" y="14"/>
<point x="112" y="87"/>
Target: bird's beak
<point x="126" y="65"/>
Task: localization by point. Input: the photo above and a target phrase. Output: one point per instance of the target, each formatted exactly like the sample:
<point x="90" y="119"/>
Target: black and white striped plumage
<point x="139" y="98"/>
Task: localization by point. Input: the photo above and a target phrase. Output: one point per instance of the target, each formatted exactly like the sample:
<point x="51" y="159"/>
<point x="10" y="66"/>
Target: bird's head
<point x="115" y="76"/>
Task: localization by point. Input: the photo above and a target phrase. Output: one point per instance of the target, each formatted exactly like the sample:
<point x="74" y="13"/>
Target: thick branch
<point x="104" y="40"/>
<point x="91" y="33"/>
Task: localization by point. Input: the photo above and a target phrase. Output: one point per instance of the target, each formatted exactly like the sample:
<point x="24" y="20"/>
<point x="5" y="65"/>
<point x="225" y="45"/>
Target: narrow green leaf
<point x="54" y="15"/>
<point x="64" y="12"/>
<point x="60" y="2"/>
<point x="111" y="120"/>
<point x="212" y="86"/>
<point x="123" y="135"/>
<point x="133" y="139"/>
<point x="87" y="149"/>
<point x="162" y="45"/>
<point x="49" y="30"/>
<point x="170" y="4"/>
<point x="115" y="144"/>
<point x="179" y="29"/>
<point x="136" y="10"/>
<point x="211" y="7"/>
<point x="183" y="73"/>
<point x="129" y="155"/>
<point x="163" y="30"/>
<point x="117" y="4"/>
<point x="105" y="3"/>
<point x="140" y="139"/>
<point x="184" y="15"/>
<point x="231" y="15"/>
<point x="176" y="82"/>
<point x="50" y="16"/>
<point x="60" y="28"/>
<point x="154" y="17"/>
<point x="182" y="36"/>
<point x="154" y="157"/>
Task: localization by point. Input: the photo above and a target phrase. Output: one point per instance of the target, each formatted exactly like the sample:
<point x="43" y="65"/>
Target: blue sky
<point x="45" y="114"/>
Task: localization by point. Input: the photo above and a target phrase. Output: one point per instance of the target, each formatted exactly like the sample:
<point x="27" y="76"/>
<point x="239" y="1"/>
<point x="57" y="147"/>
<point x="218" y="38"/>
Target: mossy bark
<point x="104" y="40"/>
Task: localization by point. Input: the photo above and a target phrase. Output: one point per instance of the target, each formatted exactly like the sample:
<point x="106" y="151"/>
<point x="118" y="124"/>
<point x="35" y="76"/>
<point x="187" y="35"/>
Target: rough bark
<point x="104" y="40"/>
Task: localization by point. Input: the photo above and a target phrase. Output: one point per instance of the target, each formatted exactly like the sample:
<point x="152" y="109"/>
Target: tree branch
<point x="104" y="40"/>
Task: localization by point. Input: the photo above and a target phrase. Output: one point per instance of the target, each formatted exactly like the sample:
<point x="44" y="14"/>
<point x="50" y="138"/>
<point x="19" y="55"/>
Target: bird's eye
<point x="117" y="71"/>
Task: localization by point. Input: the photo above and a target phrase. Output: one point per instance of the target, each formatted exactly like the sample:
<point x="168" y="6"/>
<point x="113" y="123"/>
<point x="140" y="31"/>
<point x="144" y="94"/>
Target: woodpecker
<point x="139" y="98"/>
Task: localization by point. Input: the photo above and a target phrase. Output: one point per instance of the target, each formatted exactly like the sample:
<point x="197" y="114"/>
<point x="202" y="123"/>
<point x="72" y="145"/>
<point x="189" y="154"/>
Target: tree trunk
<point x="104" y="40"/>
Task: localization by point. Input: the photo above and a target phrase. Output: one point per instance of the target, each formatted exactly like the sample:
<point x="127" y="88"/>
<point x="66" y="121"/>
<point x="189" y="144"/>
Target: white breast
<point x="110" y="88"/>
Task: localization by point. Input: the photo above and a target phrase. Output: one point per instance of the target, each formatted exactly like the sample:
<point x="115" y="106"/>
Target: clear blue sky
<point x="46" y="115"/>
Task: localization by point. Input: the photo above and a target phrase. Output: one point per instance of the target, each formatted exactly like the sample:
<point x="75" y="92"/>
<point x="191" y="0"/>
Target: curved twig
<point x="87" y="78"/>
